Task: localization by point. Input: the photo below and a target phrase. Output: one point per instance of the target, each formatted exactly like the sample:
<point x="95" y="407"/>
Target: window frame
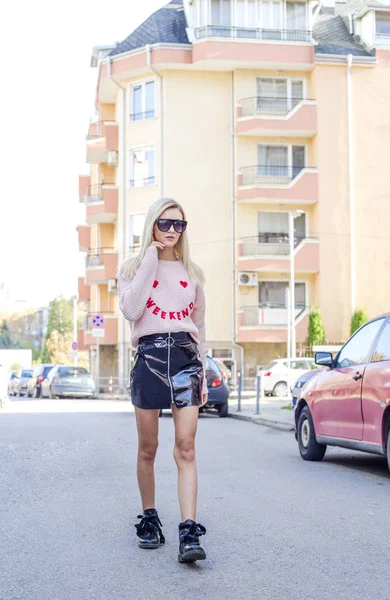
<point x="376" y="342"/>
<point x="131" y="179"/>
<point x="142" y="83"/>
<point x="371" y="348"/>
<point x="130" y="231"/>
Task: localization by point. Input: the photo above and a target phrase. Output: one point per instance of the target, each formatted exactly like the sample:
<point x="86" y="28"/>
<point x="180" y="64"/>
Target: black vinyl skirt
<point x="167" y="369"/>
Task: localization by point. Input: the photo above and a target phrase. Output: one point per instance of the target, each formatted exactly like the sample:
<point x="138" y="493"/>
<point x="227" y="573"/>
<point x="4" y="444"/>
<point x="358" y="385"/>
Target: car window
<point x="382" y="350"/>
<point x="212" y="370"/>
<point x="72" y="371"/>
<point x="27" y="373"/>
<point x="46" y="370"/>
<point x="270" y="365"/>
<point x="300" y="364"/>
<point x="355" y="352"/>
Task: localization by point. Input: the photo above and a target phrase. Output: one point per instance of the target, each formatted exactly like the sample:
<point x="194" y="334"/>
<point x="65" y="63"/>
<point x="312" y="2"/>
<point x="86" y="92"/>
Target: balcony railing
<point x="382" y="39"/>
<point x="143" y="181"/>
<point x="269" y="244"/>
<point x="263" y="175"/>
<point x="98" y="129"/>
<point x="275" y="107"/>
<point x="95" y="257"/>
<point x="140" y="116"/>
<point x="254" y="33"/>
<point x="269" y="313"/>
<point x="94" y="194"/>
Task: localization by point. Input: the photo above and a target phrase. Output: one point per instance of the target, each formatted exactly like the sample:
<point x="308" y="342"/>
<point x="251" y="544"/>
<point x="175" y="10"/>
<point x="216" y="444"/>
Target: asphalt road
<point x="277" y="527"/>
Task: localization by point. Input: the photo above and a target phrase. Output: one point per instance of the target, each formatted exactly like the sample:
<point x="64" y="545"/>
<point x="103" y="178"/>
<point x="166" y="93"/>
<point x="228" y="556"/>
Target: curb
<point x="265" y="422"/>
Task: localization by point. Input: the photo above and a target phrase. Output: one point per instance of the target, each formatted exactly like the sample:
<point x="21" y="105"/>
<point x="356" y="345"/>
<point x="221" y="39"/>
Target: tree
<point x="5" y="337"/>
<point x="60" y="324"/>
<point x="59" y="348"/>
<point x="315" y="330"/>
<point x="359" y="317"/>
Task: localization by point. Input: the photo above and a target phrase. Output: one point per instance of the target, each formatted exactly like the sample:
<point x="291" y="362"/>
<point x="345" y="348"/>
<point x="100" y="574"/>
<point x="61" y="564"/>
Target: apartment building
<point x="245" y="111"/>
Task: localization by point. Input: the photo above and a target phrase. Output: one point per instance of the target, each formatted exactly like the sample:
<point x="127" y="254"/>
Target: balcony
<point x="101" y="265"/>
<point x="101" y="204"/>
<point x="84" y="290"/>
<point x="290" y="117"/>
<point x="84" y="182"/>
<point x="278" y="184"/>
<point x="267" y="323"/>
<point x="222" y="47"/>
<point x="102" y="143"/>
<point x="382" y="39"/>
<point x="84" y="233"/>
<point x="110" y="329"/>
<point x="271" y="253"/>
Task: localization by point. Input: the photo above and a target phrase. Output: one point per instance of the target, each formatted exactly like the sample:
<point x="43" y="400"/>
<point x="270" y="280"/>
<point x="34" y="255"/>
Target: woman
<point x="161" y="294"/>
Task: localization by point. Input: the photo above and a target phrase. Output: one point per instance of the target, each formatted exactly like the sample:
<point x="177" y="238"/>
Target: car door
<point x="45" y="385"/>
<point x="376" y="389"/>
<point x="337" y="408"/>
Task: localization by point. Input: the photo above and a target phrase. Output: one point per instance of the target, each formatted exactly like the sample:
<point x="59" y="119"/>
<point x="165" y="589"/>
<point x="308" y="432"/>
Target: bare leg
<point x="147" y="426"/>
<point x="186" y="423"/>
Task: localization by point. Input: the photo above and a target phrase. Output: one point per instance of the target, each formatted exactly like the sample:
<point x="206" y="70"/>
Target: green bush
<point x="359" y="317"/>
<point x="315" y="330"/>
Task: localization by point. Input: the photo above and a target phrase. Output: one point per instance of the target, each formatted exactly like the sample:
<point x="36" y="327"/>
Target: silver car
<point x="67" y="381"/>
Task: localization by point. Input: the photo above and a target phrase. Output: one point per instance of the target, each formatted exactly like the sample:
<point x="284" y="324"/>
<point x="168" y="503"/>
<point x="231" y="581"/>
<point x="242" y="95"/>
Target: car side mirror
<point x="323" y="359"/>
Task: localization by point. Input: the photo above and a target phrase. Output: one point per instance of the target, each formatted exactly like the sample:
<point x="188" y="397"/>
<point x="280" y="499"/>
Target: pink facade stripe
<point x="307" y="260"/>
<point x="270" y="336"/>
<point x="304" y="119"/>
<point x="106" y="271"/>
<point x="256" y="52"/>
<point x="84" y="183"/>
<point x="84" y="233"/>
<point x="84" y="290"/>
<point x="109" y="206"/>
<point x="303" y="188"/>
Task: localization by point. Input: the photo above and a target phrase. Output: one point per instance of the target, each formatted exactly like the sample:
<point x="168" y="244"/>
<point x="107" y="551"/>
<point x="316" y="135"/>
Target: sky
<point x="47" y="101"/>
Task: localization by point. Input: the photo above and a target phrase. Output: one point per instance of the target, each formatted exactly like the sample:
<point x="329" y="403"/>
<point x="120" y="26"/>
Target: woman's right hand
<point x="158" y="245"/>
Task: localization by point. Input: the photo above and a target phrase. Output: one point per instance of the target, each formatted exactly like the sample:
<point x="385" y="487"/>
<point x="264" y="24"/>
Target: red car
<point x="348" y="403"/>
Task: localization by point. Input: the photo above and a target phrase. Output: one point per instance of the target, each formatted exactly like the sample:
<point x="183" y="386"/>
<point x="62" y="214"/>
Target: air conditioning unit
<point x="112" y="285"/>
<point x="112" y="159"/>
<point x="247" y="279"/>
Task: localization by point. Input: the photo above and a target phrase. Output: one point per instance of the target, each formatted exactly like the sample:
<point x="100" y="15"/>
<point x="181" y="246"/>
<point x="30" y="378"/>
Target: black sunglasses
<point x="164" y="225"/>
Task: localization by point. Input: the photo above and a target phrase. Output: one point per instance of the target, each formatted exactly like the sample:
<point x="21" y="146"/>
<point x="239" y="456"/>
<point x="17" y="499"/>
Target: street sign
<point x="75" y="346"/>
<point x="97" y="321"/>
<point x="98" y="333"/>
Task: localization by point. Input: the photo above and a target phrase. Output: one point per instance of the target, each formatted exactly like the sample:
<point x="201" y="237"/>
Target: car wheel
<point x="280" y="390"/>
<point x="223" y="410"/>
<point x="309" y="448"/>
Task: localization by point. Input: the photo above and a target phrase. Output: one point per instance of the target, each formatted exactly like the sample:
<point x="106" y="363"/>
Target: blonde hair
<point x="181" y="250"/>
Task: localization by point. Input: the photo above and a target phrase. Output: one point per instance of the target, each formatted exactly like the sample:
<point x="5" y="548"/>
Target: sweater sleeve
<point x="134" y="293"/>
<point x="198" y="317"/>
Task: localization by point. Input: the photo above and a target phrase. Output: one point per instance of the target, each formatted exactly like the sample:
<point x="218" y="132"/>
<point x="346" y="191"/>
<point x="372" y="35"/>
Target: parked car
<point x="226" y="372"/>
<point x="12" y="381"/>
<point x="39" y="374"/>
<point x="276" y="374"/>
<point x="217" y="387"/>
<point x="63" y="380"/>
<point x="299" y="384"/>
<point x="25" y="376"/>
<point x="347" y="402"/>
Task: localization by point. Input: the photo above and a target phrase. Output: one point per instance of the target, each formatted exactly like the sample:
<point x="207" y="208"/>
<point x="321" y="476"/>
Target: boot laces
<point x="194" y="532"/>
<point x="149" y="524"/>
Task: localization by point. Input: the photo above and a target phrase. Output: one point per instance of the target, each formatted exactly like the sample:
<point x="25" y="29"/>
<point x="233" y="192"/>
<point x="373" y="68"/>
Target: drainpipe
<point x="233" y="221"/>
<point x="122" y="249"/>
<point x="160" y="84"/>
<point x="351" y="184"/>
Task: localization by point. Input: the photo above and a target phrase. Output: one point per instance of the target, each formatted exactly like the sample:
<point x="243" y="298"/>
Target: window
<point x="300" y="364"/>
<point x="221" y="12"/>
<point x="272" y="294"/>
<point x="271" y="15"/>
<point x="281" y="161"/>
<point x="136" y="228"/>
<point x="296" y="16"/>
<point x="355" y="352"/>
<point x="142" y="167"/>
<point x="278" y="96"/>
<point x="273" y="228"/>
<point x="382" y="350"/>
<point x="142" y="101"/>
<point x="383" y="24"/>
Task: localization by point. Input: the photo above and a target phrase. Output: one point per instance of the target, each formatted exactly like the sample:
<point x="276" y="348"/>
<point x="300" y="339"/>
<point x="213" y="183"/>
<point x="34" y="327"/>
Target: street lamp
<point x="291" y="325"/>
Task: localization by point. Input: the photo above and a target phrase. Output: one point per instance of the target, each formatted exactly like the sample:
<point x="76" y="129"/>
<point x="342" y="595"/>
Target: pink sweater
<point x="160" y="298"/>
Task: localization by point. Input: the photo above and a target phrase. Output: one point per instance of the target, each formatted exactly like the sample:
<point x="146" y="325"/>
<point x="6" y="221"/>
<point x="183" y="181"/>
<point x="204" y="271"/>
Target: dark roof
<point x="165" y="26"/>
<point x="333" y="37"/>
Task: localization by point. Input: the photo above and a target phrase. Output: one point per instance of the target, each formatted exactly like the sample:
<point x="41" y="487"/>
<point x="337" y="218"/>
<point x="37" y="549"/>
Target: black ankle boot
<point x="149" y="529"/>
<point x="189" y="548"/>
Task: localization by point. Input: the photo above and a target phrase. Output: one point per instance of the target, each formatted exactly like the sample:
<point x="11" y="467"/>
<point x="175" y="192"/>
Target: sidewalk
<point x="271" y="412"/>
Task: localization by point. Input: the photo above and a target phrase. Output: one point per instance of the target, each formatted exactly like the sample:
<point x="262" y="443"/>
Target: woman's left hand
<point x="204" y="399"/>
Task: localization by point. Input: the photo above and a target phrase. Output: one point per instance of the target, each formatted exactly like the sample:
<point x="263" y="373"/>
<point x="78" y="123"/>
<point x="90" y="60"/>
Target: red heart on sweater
<point x="184" y="284"/>
<point x="155" y="284"/>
